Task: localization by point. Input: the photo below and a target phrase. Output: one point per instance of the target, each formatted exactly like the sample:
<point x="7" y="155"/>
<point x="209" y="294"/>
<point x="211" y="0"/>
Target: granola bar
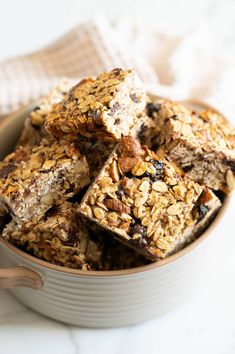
<point x="104" y="108"/>
<point x="58" y="237"/>
<point x="141" y="199"/>
<point x="202" y="144"/>
<point x="32" y="179"/>
<point x="34" y="130"/>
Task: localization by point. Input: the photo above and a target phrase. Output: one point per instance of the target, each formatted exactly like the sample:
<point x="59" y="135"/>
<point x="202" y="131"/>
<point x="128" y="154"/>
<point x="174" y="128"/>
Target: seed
<point x="175" y="209"/>
<point x="144" y="187"/>
<point x="37" y="118"/>
<point x="145" y="221"/>
<point x="99" y="213"/>
<point x="139" y="201"/>
<point x="179" y="192"/>
<point x="160" y="186"/>
<point x="159" y="232"/>
<point x="47" y="199"/>
<point x="25" y="173"/>
<point x="189" y="196"/>
<point x="162" y="243"/>
<point x="139" y="168"/>
<point x="56" y="242"/>
<point x="48" y="164"/>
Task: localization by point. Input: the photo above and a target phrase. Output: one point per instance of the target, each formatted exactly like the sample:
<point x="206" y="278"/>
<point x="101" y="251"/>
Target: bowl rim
<point x="154" y="265"/>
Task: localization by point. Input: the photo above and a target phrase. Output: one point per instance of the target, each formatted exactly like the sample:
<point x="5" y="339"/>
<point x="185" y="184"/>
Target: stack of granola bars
<point x="103" y="178"/>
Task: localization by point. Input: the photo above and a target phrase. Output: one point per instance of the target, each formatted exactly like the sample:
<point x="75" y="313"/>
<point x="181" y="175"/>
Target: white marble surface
<point x="207" y="323"/>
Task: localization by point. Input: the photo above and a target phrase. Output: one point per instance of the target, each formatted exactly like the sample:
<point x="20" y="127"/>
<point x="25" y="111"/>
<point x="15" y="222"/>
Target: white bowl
<point x="104" y="298"/>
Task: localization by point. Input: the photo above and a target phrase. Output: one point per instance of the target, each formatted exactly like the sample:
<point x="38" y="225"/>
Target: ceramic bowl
<point x="104" y="298"/>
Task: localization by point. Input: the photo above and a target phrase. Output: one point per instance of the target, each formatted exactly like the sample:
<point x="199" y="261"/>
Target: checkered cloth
<point x="193" y="65"/>
<point x="87" y="50"/>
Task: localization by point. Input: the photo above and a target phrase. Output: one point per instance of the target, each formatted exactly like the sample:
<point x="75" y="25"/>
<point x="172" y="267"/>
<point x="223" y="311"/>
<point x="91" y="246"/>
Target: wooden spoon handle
<point x="20" y="277"/>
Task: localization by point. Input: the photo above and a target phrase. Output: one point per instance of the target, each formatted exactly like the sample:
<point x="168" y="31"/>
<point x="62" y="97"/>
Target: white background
<point x="207" y="323"/>
<point x="26" y="25"/>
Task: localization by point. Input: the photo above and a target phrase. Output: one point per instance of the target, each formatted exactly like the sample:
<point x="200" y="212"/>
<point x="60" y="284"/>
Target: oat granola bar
<point x="202" y="144"/>
<point x="104" y="108"/>
<point x="34" y="130"/>
<point x="59" y="238"/>
<point x="32" y="179"/>
<point x="141" y="199"/>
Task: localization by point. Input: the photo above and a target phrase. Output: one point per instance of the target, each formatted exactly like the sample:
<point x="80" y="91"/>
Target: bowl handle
<point x="20" y="277"/>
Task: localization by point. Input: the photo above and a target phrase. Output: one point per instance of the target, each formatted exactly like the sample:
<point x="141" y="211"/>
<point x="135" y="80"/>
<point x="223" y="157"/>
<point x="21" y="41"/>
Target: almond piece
<point x="131" y="146"/>
<point x="126" y="164"/>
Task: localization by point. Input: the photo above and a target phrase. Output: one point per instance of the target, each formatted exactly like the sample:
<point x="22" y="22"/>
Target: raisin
<point x="134" y="98"/>
<point x="120" y="192"/>
<point x="95" y="115"/>
<point x="116" y="71"/>
<point x="117" y="121"/>
<point x="140" y="242"/>
<point x="158" y="165"/>
<point x="202" y="211"/>
<point x="152" y="108"/>
<point x="129" y="175"/>
<point x="138" y="229"/>
<point x="187" y="168"/>
<point x="114" y="108"/>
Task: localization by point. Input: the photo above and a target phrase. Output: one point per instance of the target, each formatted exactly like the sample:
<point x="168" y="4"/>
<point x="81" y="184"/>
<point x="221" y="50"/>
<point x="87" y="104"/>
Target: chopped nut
<point x="115" y="204"/>
<point x="126" y="164"/>
<point x="114" y="173"/>
<point x="47" y="199"/>
<point x="131" y="147"/>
